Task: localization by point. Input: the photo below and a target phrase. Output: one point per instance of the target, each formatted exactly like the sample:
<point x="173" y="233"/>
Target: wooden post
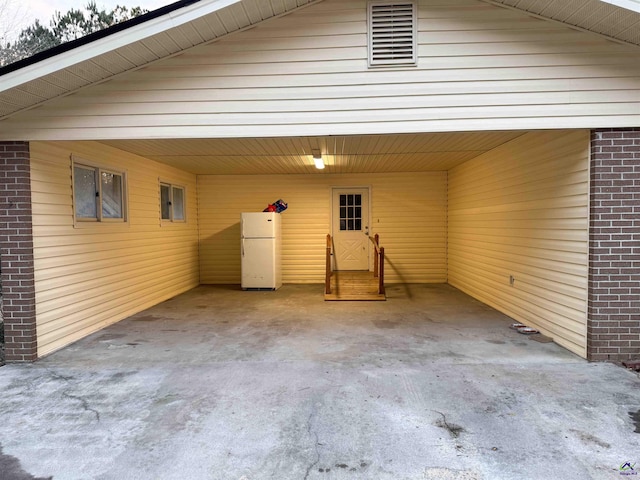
<point x="381" y="280"/>
<point x="327" y="276"/>
<point x="375" y="257"/>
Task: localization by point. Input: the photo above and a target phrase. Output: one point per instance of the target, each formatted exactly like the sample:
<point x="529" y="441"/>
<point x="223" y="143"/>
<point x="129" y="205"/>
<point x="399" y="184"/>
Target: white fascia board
<point x="633" y="5"/>
<point x="109" y="43"/>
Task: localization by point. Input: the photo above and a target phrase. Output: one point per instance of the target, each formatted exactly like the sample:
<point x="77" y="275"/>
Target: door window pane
<point x="350" y="212"/>
<point x="85" y="192"/>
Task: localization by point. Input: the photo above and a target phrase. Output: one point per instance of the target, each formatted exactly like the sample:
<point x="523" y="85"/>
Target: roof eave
<point x="632" y="5"/>
<point x="138" y="32"/>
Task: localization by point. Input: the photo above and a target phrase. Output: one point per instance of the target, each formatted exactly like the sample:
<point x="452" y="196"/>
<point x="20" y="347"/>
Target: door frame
<point x="332" y="190"/>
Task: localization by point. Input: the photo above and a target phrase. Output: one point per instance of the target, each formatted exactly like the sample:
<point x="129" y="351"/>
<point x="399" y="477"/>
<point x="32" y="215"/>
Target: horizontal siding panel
<point x="563" y="244"/>
<point x="432" y="125"/>
<point x="521" y="210"/>
<point x="319" y="105"/>
<point x="80" y="324"/>
<point x="342" y="116"/>
<point x="518" y="180"/>
<point x="541" y="169"/>
<point x="481" y="67"/>
<point x="532" y="266"/>
<point x="535" y="308"/>
<point x="93" y="264"/>
<point x="414" y="233"/>
<point x="102" y="259"/>
<point x="196" y="86"/>
<point x="87" y="244"/>
<point x="86" y="276"/>
<point x="567" y="332"/>
<point x="560" y="303"/>
<point x="56" y="306"/>
<point x="90" y="275"/>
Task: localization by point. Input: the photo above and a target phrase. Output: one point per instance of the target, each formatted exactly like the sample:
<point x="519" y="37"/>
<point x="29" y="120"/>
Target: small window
<point x="392" y="33"/>
<point x="98" y="194"/>
<point x="172" y="203"/>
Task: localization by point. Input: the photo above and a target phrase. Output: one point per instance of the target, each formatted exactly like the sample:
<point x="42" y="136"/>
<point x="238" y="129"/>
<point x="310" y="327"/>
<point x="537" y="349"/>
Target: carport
<point x="498" y="155"/>
<point x="217" y="383"/>
<point x="503" y="216"/>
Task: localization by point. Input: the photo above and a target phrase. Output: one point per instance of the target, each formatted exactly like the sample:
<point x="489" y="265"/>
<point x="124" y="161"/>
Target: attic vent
<point x="392" y="33"/>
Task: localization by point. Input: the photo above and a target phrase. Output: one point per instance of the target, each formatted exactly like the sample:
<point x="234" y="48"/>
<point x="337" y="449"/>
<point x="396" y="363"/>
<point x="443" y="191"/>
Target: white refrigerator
<point x="260" y="250"/>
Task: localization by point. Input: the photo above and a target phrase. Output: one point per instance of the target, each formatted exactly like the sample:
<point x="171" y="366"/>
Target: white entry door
<point x="350" y="228"/>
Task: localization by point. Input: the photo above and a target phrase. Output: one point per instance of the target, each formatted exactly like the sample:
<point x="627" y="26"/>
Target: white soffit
<point x="633" y="5"/>
<point x="113" y="42"/>
<point x="616" y="19"/>
<point x="181" y="28"/>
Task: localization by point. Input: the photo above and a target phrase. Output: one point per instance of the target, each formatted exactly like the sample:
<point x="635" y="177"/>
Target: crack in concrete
<point x="83" y="401"/>
<point x="316" y="445"/>
<point x="452" y="428"/>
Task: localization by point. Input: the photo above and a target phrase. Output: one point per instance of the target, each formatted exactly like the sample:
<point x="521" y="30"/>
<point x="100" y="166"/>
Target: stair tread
<point x="354" y="285"/>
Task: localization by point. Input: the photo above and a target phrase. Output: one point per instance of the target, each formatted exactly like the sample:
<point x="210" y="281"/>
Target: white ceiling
<point x="343" y="154"/>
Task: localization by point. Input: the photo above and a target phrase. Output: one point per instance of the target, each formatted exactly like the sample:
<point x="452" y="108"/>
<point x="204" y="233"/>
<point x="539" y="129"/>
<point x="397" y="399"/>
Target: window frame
<point x="98" y="171"/>
<point x="171" y="186"/>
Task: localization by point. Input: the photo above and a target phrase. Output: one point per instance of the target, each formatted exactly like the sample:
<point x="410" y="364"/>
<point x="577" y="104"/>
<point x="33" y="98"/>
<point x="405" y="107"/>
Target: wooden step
<point x="354" y="286"/>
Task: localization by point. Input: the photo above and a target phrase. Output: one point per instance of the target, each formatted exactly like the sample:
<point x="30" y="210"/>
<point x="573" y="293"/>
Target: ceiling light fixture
<point x="317" y="158"/>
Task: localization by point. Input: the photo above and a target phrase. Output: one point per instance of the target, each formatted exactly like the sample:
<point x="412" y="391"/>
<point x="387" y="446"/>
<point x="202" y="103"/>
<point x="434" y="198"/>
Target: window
<point x="351" y="212"/>
<point x="98" y="194"/>
<point x="392" y="33"/>
<point x="172" y="203"/>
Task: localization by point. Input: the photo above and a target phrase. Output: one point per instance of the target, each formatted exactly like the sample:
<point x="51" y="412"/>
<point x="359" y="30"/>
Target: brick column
<point x="16" y="253"/>
<point x="614" y="246"/>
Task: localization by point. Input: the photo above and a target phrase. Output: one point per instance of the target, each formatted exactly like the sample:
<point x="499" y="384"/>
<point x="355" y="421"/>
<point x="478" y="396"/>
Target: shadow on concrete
<point x="10" y="469"/>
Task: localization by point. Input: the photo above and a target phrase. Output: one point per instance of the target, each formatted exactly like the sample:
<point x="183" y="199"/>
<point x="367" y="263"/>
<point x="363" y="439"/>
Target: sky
<point x="19" y="14"/>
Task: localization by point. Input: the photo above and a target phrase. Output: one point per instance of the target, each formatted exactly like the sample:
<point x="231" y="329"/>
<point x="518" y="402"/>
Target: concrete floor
<point x="224" y="384"/>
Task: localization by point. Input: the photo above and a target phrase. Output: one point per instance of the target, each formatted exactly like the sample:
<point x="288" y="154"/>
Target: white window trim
<point x="390" y="63"/>
<point x="172" y="185"/>
<point x="99" y="219"/>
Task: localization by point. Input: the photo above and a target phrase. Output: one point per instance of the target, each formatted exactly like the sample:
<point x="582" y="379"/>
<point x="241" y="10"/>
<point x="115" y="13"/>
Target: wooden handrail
<point x="376" y="259"/>
<point x="327" y="275"/>
<point x="381" y="277"/>
<point x="378" y="263"/>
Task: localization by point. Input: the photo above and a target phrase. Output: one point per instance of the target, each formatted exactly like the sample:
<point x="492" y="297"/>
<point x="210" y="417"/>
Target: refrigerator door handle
<point x="242" y="246"/>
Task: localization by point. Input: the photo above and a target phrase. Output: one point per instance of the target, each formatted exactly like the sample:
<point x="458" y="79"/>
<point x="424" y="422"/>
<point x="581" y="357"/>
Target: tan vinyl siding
<point x="91" y="275"/>
<point x="521" y="210"/>
<point x="480" y="67"/>
<point x="408" y="211"/>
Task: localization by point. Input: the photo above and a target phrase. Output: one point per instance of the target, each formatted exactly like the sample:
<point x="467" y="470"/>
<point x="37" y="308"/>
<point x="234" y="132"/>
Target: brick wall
<point x="16" y="253"/>
<point x="614" y="253"/>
